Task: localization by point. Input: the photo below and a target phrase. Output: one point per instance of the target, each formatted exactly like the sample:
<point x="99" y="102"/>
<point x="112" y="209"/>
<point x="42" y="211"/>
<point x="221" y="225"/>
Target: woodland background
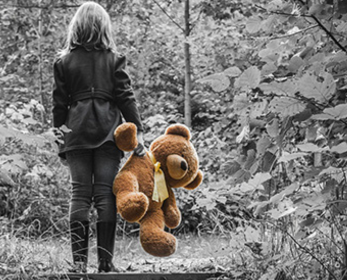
<point x="262" y="85"/>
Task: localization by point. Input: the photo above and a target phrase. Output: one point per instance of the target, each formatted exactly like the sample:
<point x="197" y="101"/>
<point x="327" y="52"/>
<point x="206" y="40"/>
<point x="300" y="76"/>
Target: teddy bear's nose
<point x="176" y="166"/>
<point x="184" y="165"/>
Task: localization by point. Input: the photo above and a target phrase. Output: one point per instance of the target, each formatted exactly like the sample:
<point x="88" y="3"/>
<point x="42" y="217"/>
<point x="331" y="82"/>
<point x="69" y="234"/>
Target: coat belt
<point x="91" y="93"/>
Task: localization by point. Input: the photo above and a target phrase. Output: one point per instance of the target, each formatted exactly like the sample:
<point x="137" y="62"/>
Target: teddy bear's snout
<point x="177" y="166"/>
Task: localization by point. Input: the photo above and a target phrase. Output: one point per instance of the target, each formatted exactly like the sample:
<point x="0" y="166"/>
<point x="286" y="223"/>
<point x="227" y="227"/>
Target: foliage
<point x="289" y="167"/>
<point x="269" y="121"/>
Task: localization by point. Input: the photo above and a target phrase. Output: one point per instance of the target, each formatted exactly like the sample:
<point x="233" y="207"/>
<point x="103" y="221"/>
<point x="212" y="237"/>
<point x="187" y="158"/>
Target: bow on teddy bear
<point x="143" y="187"/>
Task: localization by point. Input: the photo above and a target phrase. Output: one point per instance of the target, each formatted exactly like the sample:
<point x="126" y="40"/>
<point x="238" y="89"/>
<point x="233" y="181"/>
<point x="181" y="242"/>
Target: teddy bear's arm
<point x="197" y="181"/>
<point x="172" y="214"/>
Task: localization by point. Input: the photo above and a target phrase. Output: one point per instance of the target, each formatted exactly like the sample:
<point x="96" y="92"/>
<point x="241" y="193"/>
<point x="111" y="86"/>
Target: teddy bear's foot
<point x="133" y="206"/>
<point x="158" y="243"/>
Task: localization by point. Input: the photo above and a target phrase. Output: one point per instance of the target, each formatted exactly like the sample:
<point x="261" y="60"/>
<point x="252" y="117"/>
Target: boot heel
<point x="105" y="233"/>
<point x="79" y="233"/>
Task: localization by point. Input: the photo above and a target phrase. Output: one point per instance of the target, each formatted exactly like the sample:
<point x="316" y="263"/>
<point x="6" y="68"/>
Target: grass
<point x="30" y="259"/>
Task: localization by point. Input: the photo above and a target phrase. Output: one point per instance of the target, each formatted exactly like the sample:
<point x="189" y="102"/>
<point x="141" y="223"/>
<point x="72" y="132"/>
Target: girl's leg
<point x="106" y="165"/>
<point x="80" y="164"/>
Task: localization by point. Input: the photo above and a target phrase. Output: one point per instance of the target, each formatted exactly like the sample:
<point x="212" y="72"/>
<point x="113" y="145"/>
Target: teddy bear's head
<point x="177" y="157"/>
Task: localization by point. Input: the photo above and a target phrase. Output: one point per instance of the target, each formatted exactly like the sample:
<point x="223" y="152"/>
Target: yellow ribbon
<point x="160" y="192"/>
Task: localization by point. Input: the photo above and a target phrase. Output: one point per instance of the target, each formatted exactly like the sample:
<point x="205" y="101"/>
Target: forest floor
<point x="46" y="257"/>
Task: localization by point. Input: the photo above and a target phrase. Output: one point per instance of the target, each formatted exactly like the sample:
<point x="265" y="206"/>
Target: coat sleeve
<point x="124" y="94"/>
<point x="60" y="96"/>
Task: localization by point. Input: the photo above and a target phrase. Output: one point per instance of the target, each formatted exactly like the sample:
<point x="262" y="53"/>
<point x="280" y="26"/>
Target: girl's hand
<point x="140" y="150"/>
<point x="63" y="161"/>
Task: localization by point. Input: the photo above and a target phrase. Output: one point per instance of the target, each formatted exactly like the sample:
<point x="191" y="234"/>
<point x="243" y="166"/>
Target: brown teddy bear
<point x="143" y="187"/>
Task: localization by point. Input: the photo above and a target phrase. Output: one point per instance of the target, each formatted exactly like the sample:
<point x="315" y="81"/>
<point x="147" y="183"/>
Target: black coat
<point x="91" y="92"/>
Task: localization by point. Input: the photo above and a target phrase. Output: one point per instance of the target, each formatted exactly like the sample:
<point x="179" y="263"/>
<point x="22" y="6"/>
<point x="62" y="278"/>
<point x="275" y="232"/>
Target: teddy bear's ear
<point x="179" y="129"/>
<point x="197" y="181"/>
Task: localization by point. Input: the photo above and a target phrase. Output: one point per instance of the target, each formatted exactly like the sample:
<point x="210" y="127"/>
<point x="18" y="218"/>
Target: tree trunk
<point x="188" y="82"/>
<point x="42" y="96"/>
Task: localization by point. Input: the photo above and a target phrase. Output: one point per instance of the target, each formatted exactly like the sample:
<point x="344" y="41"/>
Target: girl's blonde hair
<point x="91" y="25"/>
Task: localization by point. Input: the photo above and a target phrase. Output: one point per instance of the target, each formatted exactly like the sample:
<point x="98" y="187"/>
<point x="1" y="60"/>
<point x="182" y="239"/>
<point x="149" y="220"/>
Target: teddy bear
<point x="143" y="186"/>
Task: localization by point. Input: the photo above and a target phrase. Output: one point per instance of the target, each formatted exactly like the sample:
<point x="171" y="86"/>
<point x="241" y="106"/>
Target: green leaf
<point x="288" y="157"/>
<point x="316" y="9"/>
<point x="342" y="27"/>
<point x="309" y="147"/>
<point x="322" y="117"/>
<point x="338" y="112"/>
<point x="250" y="78"/>
<point x="295" y="63"/>
<point x="6" y="132"/>
<point x="206" y="202"/>
<point x="29" y="139"/>
<point x="337" y="174"/>
<point x="251" y="159"/>
<point x="230" y="167"/>
<point x="260" y="178"/>
<point x="255" y="182"/>
<point x="303" y="116"/>
<point x="272" y="128"/>
<point x="241" y="103"/>
<point x="254" y="24"/>
<point x="269" y="24"/>
<point x="232" y="72"/>
<point x="288" y="212"/>
<point x="257" y="109"/>
<point x="340" y="148"/>
<point x="287" y="191"/>
<point x="287" y="88"/>
<point x="310" y="87"/>
<point x="219" y="81"/>
<point x="268" y="68"/>
<point x="5" y="179"/>
<point x="262" y="144"/>
<point x="251" y="234"/>
<point x="286" y="106"/>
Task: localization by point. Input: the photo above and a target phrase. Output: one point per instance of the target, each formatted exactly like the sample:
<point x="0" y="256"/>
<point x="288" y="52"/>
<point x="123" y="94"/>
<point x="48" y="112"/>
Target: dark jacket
<point x="91" y="92"/>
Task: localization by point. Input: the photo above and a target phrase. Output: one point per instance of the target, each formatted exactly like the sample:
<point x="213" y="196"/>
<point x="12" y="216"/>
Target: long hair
<point x="90" y="26"/>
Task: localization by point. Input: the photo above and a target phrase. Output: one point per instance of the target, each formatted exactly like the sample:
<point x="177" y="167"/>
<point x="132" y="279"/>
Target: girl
<point x="92" y="91"/>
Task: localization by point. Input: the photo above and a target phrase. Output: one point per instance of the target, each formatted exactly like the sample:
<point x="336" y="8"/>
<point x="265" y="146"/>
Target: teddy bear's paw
<point x="172" y="217"/>
<point x="158" y="244"/>
<point x="133" y="206"/>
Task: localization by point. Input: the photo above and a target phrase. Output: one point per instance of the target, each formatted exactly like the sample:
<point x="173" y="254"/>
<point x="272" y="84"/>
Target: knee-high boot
<point x="106" y="232"/>
<point x="79" y="233"/>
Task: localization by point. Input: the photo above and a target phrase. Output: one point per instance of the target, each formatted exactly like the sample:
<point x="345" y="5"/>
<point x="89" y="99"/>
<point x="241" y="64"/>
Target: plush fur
<point x="134" y="184"/>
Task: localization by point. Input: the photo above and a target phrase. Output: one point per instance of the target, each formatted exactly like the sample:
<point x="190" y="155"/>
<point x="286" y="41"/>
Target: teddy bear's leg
<point x="131" y="204"/>
<point x="172" y="214"/>
<point x="154" y="239"/>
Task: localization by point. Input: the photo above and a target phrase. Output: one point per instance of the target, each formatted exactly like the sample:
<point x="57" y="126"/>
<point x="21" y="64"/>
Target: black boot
<point x="79" y="232"/>
<point x="106" y="232"/>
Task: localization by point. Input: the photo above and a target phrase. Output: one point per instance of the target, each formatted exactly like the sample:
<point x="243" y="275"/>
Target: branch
<point x="170" y="17"/>
<point x="295" y="33"/>
<point x="309" y="16"/>
<point x="313" y="256"/>
<point x="281" y="13"/>
<point x="301" y="247"/>
<point x="44" y="7"/>
<point x="329" y="34"/>
<point x="196" y="20"/>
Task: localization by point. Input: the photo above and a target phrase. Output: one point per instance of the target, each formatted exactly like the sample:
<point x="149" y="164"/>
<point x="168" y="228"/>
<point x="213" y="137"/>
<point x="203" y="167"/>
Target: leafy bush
<point x="268" y="115"/>
<point x="289" y="164"/>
